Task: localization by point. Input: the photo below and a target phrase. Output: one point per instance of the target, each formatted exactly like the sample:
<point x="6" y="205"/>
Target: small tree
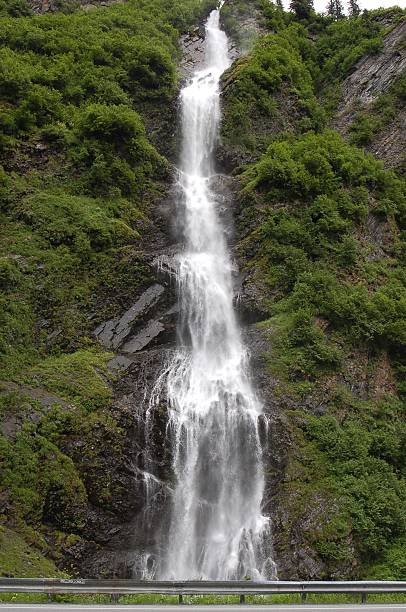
<point x="335" y="9"/>
<point x="302" y="8"/>
<point x="353" y="8"/>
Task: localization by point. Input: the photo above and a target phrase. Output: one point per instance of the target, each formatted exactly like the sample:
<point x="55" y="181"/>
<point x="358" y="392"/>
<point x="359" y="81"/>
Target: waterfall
<point x="216" y="529"/>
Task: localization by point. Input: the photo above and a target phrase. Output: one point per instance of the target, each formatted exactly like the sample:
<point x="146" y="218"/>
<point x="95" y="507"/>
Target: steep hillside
<point x="88" y="123"/>
<point x="88" y="115"/>
<point x="321" y="248"/>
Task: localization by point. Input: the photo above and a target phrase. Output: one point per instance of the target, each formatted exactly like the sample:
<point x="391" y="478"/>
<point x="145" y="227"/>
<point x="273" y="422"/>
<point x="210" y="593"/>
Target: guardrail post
<point x="363" y="598"/>
<point x="242" y="599"/>
<point x="180" y="598"/>
<point x="303" y="597"/>
<point x="114" y="598"/>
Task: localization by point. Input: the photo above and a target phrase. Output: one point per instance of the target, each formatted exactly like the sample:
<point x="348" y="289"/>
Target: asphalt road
<point x="224" y="608"/>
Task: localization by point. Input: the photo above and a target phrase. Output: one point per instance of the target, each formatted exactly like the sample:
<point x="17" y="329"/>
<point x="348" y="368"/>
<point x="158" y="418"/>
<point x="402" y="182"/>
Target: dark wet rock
<point x="144" y="337"/>
<point x="193" y="48"/>
<point x="251" y="305"/>
<point x="112" y="334"/>
<point x="134" y="331"/>
<point x="126" y="532"/>
<point x="119" y="362"/>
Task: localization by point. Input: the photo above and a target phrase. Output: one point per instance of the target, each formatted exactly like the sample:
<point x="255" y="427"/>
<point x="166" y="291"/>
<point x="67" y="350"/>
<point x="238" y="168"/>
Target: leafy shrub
<point x="114" y="146"/>
<point x="258" y="87"/>
<point x="372" y="492"/>
<point x="344" y="42"/>
<point x="14" y="8"/>
<point x="304" y="205"/>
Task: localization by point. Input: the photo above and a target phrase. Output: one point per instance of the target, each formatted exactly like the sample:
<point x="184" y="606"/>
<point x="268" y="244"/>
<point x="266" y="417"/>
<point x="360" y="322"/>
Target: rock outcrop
<point x="373" y="76"/>
<point x="51" y="6"/>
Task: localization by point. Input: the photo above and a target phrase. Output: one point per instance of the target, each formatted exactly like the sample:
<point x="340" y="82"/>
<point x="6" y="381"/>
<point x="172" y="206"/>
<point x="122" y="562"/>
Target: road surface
<point x="203" y="608"/>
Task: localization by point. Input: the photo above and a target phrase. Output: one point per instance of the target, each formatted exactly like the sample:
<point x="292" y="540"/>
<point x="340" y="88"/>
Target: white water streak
<point x="217" y="527"/>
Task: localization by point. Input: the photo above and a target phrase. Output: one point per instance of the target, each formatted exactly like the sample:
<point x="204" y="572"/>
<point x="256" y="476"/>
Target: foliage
<point x="305" y="206"/>
<point x="350" y="461"/>
<point x="76" y="90"/>
<point x="302" y="8"/>
<point x="14" y="8"/>
<point x="275" y="88"/>
<point x="258" y="88"/>
<point x="42" y="483"/>
<point x="392" y="564"/>
<point x="364" y="457"/>
<point x="303" y="247"/>
<point x="343" y="43"/>
<point x="81" y="376"/>
<point x="86" y="99"/>
<point x="78" y="173"/>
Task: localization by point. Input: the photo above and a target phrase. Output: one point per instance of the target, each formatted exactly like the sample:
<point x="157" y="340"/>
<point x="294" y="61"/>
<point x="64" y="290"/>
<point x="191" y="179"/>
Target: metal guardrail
<point x="115" y="588"/>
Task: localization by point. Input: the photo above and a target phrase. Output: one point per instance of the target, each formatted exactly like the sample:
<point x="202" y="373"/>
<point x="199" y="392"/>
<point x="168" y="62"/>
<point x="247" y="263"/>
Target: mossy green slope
<point x="321" y="233"/>
<point x="85" y="102"/>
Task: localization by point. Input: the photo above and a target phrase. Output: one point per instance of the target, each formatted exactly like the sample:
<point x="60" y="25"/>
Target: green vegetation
<point x="260" y="88"/>
<point x="87" y="105"/>
<point x="325" y="302"/>
<point x="350" y="463"/>
<point x="305" y="252"/>
<point x="17" y="558"/>
<point x="290" y="81"/>
<point x="53" y="462"/>
<point x="86" y="101"/>
<point x="322" y="227"/>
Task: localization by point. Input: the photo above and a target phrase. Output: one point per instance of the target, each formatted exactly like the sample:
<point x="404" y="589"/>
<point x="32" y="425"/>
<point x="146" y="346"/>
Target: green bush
<point x="371" y="489"/>
<point x="344" y="42"/>
<point x="304" y="206"/>
<point x="257" y="88"/>
<point x="76" y="221"/>
<point x="114" y="146"/>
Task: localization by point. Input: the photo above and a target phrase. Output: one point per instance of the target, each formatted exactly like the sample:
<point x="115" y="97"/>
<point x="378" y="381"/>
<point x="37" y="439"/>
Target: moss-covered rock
<point x="19" y="559"/>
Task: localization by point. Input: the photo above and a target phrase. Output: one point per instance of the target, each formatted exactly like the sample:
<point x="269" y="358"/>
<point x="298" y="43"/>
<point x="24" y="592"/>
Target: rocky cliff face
<point x="40" y="7"/>
<point x="371" y="79"/>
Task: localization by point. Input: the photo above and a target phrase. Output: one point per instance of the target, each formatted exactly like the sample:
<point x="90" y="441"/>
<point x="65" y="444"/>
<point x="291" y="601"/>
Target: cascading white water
<point x="216" y="527"/>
